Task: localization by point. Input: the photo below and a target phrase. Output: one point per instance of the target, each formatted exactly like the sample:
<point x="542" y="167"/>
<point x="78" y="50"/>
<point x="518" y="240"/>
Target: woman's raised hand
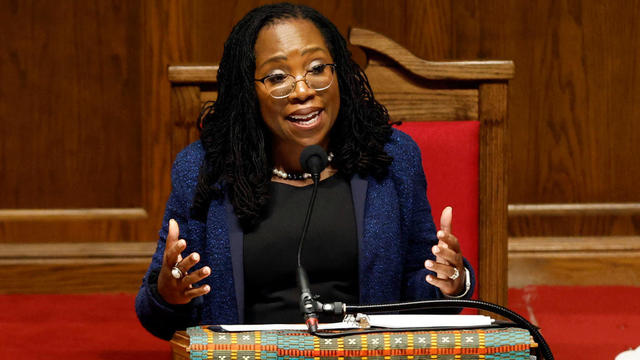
<point x="448" y="265"/>
<point x="180" y="290"/>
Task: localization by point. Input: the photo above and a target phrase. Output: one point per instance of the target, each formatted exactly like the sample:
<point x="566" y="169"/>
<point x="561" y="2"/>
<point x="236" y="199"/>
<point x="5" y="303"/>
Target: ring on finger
<point x="456" y="274"/>
<point x="176" y="273"/>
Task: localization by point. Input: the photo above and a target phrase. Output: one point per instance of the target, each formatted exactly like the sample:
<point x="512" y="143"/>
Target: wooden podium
<point x="179" y="344"/>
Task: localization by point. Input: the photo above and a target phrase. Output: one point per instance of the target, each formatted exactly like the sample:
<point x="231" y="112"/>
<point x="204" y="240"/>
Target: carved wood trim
<point x="433" y="70"/>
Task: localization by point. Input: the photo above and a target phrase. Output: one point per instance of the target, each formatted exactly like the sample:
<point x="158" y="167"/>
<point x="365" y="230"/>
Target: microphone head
<point x="313" y="159"/>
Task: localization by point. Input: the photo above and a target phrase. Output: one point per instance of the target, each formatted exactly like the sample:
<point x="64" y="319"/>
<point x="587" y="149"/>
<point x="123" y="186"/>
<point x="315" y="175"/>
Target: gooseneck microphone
<point x="313" y="160"/>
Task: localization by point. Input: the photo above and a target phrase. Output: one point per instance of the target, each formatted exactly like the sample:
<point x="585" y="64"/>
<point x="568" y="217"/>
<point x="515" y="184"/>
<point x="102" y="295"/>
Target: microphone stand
<point x="307" y="302"/>
<point x="313" y="160"/>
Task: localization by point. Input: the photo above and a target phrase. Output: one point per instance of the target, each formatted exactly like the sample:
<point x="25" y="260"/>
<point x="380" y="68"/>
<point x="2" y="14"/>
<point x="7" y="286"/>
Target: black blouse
<point x="329" y="254"/>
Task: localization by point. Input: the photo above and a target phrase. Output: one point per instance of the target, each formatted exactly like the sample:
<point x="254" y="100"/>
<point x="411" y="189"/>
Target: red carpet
<point x="582" y="322"/>
<point x="75" y="327"/>
<point x="578" y="322"/>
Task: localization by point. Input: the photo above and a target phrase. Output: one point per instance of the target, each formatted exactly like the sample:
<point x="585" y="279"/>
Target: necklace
<point x="296" y="176"/>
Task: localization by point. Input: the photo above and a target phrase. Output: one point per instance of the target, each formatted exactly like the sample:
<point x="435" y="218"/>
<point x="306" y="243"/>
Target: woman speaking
<point x="228" y="245"/>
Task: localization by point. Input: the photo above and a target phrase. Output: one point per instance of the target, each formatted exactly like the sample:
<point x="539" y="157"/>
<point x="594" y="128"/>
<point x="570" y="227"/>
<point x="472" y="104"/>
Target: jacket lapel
<point x="236" y="237"/>
<point x="359" y="195"/>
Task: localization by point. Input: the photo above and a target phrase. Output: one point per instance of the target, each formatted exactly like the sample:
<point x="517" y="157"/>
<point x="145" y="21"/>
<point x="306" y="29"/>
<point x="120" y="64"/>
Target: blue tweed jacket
<point x="394" y="226"/>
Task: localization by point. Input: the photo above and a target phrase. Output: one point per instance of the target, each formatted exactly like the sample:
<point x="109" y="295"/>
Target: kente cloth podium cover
<point x="463" y="344"/>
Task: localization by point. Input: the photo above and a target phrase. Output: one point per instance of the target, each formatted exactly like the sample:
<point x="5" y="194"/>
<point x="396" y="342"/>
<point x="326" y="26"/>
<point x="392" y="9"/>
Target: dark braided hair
<point x="237" y="142"/>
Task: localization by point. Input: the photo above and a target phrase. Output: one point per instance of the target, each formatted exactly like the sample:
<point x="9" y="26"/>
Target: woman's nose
<point x="301" y="91"/>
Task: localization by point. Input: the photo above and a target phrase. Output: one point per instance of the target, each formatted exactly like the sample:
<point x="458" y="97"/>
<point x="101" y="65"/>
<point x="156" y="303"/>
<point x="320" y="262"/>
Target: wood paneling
<point x="573" y="121"/>
<point x="77" y="267"/>
<point x="30" y="215"/>
<point x="71" y="89"/>
<point x="71" y="166"/>
<point x="575" y="219"/>
<point x="85" y="109"/>
<point x="614" y="260"/>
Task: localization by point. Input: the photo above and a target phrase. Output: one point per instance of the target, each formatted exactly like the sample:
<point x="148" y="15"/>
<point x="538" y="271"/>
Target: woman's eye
<point x="318" y="69"/>
<point x="276" y="78"/>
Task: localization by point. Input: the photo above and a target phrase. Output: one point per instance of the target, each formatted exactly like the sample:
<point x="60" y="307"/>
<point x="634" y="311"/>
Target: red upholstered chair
<point x="456" y="112"/>
<point x="450" y="161"/>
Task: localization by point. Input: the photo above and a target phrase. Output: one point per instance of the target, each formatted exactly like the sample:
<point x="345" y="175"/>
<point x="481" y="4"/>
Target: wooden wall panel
<point x="71" y="155"/>
<point x="84" y="104"/>
<point x="70" y="105"/>
<point x="574" y="128"/>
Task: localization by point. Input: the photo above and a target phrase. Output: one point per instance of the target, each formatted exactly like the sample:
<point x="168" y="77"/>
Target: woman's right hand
<point x="180" y="291"/>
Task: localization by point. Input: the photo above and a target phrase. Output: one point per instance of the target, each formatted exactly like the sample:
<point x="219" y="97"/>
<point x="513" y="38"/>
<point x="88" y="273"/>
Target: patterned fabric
<point x="490" y="344"/>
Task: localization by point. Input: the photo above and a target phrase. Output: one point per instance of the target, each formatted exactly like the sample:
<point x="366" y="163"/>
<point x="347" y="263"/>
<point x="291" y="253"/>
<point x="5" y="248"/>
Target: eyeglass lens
<point x="281" y="86"/>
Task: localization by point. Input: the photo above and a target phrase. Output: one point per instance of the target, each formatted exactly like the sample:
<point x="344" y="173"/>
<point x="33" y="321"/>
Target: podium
<point x="201" y="343"/>
<point x="179" y="345"/>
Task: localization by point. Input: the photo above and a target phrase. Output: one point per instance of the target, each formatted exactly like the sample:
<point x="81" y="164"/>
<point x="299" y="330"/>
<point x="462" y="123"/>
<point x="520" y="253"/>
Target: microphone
<point x="313" y="160"/>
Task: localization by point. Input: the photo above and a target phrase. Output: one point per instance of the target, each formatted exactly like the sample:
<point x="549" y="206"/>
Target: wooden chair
<point x="459" y="103"/>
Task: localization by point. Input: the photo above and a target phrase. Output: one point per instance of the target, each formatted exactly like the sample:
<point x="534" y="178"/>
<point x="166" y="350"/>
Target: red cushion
<point x="450" y="161"/>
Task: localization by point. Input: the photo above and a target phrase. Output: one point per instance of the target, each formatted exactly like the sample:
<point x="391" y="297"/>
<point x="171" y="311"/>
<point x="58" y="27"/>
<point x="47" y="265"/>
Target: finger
<point x="450" y="257"/>
<point x="196" y="276"/>
<point x="174" y="233"/>
<point x="173" y="247"/>
<point x="448" y="241"/>
<point x="443" y="271"/>
<point x="437" y="251"/>
<point x="187" y="263"/>
<point x="445" y="219"/>
<point x="437" y="268"/>
<point x="446" y="285"/>
<point x="195" y="292"/>
<point x="172" y="255"/>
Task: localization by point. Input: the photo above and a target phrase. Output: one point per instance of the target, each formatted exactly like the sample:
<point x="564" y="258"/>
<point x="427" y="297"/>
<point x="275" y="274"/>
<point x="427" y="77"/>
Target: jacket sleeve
<point x="156" y="315"/>
<point x="418" y="226"/>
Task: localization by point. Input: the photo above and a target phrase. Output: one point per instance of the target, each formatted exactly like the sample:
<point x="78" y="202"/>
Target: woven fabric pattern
<point x="489" y="344"/>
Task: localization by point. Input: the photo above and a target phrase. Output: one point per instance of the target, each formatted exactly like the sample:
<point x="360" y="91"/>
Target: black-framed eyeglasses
<point x="318" y="78"/>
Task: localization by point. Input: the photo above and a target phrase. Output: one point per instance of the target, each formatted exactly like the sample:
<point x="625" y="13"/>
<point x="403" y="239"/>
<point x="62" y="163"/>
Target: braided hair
<point x="237" y="142"/>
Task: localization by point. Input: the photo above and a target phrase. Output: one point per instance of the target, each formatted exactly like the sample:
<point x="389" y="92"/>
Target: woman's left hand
<point x="448" y="259"/>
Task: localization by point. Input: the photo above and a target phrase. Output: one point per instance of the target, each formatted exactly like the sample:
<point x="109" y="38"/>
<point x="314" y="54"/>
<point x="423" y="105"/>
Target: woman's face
<point x="306" y="116"/>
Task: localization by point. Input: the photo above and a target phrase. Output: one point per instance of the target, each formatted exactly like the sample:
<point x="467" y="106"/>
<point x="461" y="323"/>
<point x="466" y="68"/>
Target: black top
<point x="329" y="254"/>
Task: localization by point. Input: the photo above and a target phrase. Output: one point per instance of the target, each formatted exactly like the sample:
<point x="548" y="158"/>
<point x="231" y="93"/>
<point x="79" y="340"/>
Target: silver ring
<point x="176" y="272"/>
<point x="455" y="275"/>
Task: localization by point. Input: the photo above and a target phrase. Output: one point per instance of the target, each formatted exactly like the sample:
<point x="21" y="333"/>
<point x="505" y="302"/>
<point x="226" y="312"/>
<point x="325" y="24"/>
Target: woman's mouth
<point x="306" y="120"/>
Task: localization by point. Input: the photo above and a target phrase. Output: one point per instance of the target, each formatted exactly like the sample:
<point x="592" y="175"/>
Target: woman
<point x="286" y="81"/>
